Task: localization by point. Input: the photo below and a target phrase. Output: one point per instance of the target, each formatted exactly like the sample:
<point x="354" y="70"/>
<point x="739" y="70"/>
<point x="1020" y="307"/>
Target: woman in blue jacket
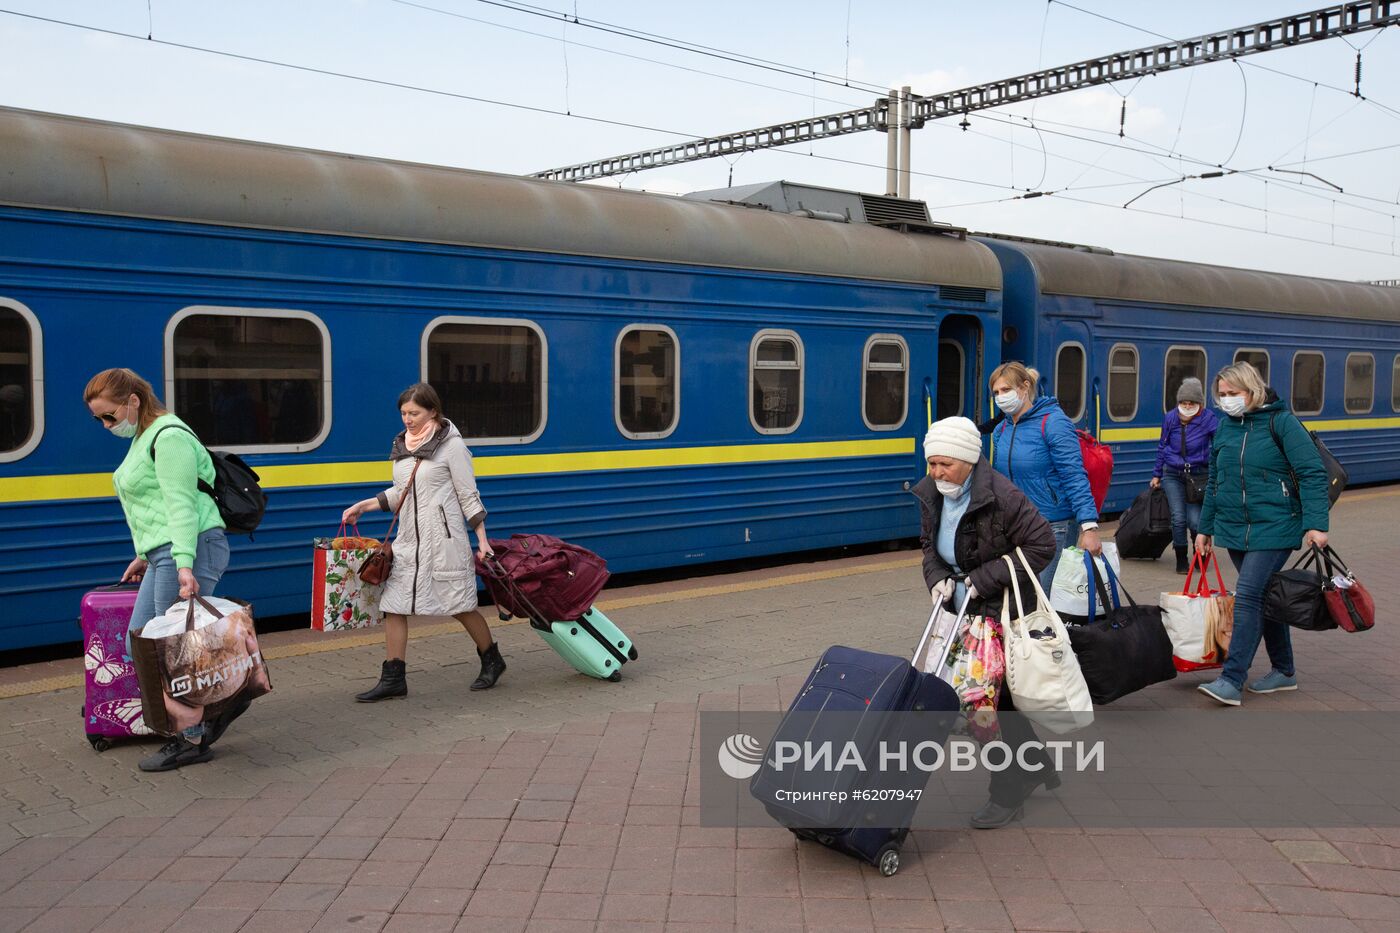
<point x="1267" y="491"/>
<point x="1036" y="448"/>
<point x="1184" y="447"/>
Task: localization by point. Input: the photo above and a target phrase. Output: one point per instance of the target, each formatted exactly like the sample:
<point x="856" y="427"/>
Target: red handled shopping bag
<point x="1199" y="621"/>
<point x="340" y="600"/>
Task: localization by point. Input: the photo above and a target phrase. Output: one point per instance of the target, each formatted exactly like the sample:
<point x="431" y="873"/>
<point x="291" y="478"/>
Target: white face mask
<point x="1232" y="405"/>
<point x="1188" y="411"/>
<point x="124" y="429"/>
<point x="1009" y="402"/>
<point x="949" y="490"/>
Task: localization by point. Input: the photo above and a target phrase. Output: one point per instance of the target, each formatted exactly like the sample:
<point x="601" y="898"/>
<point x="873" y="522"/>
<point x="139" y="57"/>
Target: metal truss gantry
<point x="1313" y="26"/>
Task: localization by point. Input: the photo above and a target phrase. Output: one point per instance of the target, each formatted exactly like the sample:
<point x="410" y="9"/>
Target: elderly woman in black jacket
<point x="972" y="516"/>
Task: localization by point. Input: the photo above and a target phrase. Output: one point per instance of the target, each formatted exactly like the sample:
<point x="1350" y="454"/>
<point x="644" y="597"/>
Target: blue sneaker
<point x="1222" y="691"/>
<point x="1274" y="682"/>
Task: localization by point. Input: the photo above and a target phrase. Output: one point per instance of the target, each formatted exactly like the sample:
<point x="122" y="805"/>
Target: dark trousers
<point x="1009" y="788"/>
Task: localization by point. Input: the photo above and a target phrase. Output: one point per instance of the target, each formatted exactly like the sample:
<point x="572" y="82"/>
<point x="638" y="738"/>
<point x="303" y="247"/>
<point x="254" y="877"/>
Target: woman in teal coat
<point x="1267" y="492"/>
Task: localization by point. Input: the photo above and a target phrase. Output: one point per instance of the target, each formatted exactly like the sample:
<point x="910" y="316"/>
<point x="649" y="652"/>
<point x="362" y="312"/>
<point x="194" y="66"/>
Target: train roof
<point x="1066" y="269"/>
<point x="75" y="164"/>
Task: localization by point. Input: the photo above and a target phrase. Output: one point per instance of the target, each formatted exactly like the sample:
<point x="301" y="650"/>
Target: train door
<point x="960" y="371"/>
<point x="1070" y="377"/>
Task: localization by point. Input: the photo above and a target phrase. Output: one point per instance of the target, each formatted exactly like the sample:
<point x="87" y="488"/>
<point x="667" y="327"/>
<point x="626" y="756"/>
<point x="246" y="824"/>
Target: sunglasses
<point x="106" y="420"/>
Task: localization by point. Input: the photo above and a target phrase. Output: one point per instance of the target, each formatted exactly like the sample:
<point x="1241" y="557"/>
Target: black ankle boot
<point x="393" y="682"/>
<point x="1180" y="558"/>
<point x="492" y="667"/>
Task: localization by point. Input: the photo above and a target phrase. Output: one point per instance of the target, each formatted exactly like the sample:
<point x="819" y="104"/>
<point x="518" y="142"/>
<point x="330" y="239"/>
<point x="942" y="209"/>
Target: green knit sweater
<point x="161" y="498"/>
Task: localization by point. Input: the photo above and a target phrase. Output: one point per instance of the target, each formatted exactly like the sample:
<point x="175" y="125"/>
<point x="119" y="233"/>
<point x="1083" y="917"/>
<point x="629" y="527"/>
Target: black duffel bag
<point x="1145" y="530"/>
<point x="1298" y="595"/>
<point x="1126" y="650"/>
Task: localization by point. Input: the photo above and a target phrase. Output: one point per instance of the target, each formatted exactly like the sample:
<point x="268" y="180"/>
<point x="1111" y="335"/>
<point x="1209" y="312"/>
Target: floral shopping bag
<point x="340" y="600"/>
<point x="977" y="670"/>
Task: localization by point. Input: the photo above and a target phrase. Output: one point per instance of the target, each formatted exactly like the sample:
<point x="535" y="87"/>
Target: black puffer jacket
<point x="998" y="520"/>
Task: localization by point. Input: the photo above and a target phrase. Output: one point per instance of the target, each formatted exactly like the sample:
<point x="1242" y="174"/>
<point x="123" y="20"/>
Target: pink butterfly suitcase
<point x="112" y="705"/>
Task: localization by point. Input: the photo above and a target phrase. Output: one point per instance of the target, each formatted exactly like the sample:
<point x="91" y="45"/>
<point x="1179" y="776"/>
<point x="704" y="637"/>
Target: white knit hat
<point x="957" y="438"/>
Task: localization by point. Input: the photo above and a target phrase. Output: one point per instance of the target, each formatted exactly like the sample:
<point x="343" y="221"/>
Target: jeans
<point x="1184" y="514"/>
<point x="160" y="587"/>
<point x="1255" y="568"/>
<point x="1066" y="535"/>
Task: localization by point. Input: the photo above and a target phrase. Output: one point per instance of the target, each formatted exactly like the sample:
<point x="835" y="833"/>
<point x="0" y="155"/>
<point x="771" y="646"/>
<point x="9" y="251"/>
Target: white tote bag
<point x="1042" y="672"/>
<point x="1069" y="591"/>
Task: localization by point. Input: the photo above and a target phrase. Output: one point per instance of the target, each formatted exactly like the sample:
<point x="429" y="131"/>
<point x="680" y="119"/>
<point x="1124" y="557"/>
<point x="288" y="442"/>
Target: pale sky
<point x="1184" y="123"/>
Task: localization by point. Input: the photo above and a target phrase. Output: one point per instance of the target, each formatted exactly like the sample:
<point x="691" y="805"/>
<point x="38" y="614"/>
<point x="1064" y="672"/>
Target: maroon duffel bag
<point x="558" y="579"/>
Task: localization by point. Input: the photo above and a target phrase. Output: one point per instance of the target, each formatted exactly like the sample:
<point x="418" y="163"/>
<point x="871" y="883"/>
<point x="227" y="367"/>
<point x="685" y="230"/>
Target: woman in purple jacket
<point x="1184" y="447"/>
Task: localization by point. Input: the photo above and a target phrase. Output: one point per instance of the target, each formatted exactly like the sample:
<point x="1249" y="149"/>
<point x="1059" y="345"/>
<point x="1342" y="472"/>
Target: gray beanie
<point x="1191" y="391"/>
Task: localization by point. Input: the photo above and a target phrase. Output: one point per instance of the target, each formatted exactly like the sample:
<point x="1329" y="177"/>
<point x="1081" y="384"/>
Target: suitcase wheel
<point x="888" y="860"/>
<point x="614" y="677"/>
<point x="100" y="743"/>
<point x="632" y="653"/>
<point x="505" y="616"/>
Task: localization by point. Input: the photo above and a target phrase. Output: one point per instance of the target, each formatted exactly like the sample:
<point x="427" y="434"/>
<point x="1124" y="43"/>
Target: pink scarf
<point x="413" y="441"/>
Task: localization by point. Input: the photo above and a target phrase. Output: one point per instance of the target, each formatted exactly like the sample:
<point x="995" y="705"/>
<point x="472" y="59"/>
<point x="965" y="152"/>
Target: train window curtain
<point x="490" y="378"/>
<point x="16" y="380"/>
<point x="245" y="380"/>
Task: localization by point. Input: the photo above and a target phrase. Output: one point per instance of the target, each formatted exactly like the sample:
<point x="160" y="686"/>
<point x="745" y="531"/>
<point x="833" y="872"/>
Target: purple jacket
<point x="1200" y="434"/>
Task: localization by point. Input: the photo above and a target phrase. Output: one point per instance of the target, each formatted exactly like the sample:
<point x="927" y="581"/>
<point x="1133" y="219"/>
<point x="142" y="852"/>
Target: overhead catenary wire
<point x="428" y="8"/>
<point x="524" y="107"/>
<point x="682" y="45"/>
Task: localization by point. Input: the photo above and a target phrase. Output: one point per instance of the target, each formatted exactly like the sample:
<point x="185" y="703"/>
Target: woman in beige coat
<point x="433" y="571"/>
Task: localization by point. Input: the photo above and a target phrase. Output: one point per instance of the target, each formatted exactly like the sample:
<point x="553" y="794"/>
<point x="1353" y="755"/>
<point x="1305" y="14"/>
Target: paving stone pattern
<point x="555" y="802"/>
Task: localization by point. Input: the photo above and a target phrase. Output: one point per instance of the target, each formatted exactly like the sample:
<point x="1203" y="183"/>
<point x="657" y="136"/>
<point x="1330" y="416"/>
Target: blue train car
<point x="666" y="381"/>
<point x="1114" y="336"/>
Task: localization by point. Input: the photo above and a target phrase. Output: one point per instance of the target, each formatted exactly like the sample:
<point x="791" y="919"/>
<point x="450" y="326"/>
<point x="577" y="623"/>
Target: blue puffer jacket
<point x="1200" y="433"/>
<point x="1046" y="465"/>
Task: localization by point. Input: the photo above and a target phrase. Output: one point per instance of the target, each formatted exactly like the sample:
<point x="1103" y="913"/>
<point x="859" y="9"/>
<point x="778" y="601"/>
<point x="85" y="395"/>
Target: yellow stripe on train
<point x="282" y="476"/>
<point x="1120" y="435"/>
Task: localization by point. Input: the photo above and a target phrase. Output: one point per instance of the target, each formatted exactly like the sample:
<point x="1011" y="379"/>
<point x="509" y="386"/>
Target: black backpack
<point x="236" y="492"/>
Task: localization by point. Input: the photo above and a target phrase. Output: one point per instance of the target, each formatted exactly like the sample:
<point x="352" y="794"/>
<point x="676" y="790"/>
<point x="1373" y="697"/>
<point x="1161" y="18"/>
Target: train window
<point x="250" y="379"/>
<point x="648" y="391"/>
<point x="1123" y="382"/>
<point x="885" y="386"/>
<point x="1259" y="359"/>
<point x="1181" y="364"/>
<point x="490" y="373"/>
<point x="1069" y="379"/>
<point x="1309" y="368"/>
<point x="1359" y="392"/>
<point x="775" y="381"/>
<point x="1395" y="384"/>
<point x="21" y="381"/>
<point x="952" y="375"/>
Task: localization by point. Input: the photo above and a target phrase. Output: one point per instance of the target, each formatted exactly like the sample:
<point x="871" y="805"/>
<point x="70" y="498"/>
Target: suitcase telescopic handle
<point x="928" y="630"/>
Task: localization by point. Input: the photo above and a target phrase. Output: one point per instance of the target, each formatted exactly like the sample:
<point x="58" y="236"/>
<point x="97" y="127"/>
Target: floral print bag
<point x="340" y="600"/>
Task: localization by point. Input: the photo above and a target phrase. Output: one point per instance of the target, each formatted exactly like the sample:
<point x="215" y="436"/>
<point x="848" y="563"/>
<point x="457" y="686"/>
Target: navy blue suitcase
<point x="867" y="686"/>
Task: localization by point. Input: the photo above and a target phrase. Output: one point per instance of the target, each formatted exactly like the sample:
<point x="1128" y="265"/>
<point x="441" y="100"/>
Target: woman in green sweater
<point x="175" y="529"/>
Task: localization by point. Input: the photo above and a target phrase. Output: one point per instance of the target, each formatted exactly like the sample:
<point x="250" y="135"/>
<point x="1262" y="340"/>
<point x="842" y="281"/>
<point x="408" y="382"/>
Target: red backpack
<point x="1098" y="462"/>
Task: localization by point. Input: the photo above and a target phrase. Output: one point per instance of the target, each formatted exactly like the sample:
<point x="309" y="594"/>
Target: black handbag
<point x="1194" y="483"/>
<point x="1145" y="530"/>
<point x="1126" y="650"/>
<point x="1298" y="595"/>
<point x="1337" y="477"/>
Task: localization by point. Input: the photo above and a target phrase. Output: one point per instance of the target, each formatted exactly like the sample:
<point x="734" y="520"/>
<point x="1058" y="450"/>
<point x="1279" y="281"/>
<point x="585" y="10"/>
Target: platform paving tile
<point x="558" y="803"/>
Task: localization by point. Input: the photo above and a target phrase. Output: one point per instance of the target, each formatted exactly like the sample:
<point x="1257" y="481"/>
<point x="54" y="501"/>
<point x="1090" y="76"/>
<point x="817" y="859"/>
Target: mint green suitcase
<point x="592" y="644"/>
